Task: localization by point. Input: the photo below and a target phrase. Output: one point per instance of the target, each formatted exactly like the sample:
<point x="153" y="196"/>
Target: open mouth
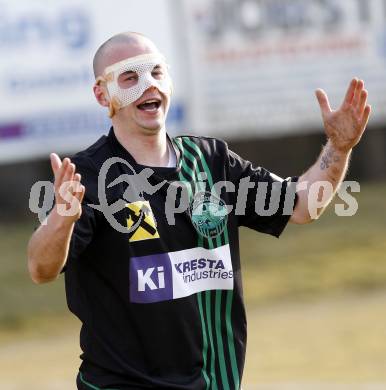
<point x="150" y="105"/>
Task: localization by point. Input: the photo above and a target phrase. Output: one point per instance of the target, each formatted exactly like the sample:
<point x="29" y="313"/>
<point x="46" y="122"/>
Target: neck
<point x="148" y="149"/>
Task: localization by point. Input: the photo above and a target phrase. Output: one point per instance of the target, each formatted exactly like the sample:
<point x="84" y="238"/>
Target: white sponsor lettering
<point x="161" y="277"/>
<point x="144" y="279"/>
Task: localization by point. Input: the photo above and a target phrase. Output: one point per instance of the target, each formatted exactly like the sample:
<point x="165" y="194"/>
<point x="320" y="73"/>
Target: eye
<point x="158" y="73"/>
<point x="128" y="79"/>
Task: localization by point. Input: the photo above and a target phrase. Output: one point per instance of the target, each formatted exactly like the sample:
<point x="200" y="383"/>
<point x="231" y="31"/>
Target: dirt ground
<point x="335" y="343"/>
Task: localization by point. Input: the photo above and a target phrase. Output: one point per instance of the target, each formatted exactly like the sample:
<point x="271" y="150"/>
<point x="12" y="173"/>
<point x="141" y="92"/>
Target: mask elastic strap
<point x="99" y="80"/>
<point x="114" y="106"/>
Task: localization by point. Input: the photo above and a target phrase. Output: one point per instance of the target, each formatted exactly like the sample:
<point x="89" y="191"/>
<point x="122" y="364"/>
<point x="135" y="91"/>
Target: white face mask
<point x="127" y="80"/>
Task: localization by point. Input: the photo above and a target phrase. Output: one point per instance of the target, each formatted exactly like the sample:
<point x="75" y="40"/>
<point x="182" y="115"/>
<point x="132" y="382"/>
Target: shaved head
<point x="120" y="47"/>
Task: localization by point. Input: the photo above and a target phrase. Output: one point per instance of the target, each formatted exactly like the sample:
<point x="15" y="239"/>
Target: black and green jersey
<point x="161" y="301"/>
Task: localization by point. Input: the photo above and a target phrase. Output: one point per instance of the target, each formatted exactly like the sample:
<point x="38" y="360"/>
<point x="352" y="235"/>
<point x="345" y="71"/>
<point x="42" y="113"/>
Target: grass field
<point x="316" y="301"/>
<point x="332" y="255"/>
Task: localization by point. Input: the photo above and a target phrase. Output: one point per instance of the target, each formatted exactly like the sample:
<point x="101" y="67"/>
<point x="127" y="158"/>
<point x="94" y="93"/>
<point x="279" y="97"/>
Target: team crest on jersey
<point x="141" y="222"/>
<point x="208" y="213"/>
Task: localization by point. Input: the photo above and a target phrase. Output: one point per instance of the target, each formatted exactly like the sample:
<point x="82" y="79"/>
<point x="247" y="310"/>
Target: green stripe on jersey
<point x="229" y="298"/>
<point x="89" y="384"/>
<point x="229" y="295"/>
<point x="199" y="295"/>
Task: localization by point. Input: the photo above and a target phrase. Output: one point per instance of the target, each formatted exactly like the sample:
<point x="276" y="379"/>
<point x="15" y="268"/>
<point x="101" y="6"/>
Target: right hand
<point x="69" y="192"/>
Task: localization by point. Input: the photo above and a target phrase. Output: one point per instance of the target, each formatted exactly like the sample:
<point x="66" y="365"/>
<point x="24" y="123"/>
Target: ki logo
<point x="146" y="279"/>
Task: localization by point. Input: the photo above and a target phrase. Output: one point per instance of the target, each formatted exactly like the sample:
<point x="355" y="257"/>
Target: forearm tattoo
<point x="328" y="158"/>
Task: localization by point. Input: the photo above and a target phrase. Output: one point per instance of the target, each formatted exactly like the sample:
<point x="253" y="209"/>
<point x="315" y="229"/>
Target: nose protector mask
<point x="127" y="80"/>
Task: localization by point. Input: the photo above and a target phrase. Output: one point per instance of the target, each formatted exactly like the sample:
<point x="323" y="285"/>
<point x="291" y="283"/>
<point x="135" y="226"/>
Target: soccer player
<point x="156" y="280"/>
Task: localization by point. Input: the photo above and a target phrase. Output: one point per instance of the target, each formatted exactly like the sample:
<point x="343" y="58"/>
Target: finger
<point x="74" y="184"/>
<point x="69" y="173"/>
<point x="357" y="94"/>
<point x="80" y="194"/>
<point x="56" y="162"/>
<point x="323" y="101"/>
<point x="366" y="116"/>
<point x="77" y="177"/>
<point x="61" y="171"/>
<point x="362" y="102"/>
<point x="350" y="93"/>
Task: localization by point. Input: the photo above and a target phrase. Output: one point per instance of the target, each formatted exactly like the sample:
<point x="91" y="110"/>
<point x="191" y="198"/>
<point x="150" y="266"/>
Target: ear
<point x="101" y="95"/>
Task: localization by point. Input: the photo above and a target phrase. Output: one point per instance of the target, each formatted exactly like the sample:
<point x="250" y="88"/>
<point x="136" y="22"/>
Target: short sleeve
<point x="264" y="201"/>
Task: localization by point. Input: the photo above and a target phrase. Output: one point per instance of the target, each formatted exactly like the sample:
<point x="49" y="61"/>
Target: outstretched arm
<point x="48" y="247"/>
<point x="344" y="128"/>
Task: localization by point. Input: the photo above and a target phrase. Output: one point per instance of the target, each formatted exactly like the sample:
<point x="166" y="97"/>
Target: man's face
<point x="148" y="112"/>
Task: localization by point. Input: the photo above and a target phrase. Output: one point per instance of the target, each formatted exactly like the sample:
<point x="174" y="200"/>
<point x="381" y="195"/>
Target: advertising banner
<point x="46" y="78"/>
<point x="256" y="63"/>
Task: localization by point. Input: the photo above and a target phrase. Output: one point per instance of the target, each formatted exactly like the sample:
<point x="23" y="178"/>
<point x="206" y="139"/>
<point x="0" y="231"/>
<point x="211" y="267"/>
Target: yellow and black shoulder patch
<point x="141" y="222"/>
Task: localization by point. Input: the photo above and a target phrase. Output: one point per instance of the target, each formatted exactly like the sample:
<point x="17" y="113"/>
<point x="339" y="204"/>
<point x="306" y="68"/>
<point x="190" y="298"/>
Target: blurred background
<point x="244" y="71"/>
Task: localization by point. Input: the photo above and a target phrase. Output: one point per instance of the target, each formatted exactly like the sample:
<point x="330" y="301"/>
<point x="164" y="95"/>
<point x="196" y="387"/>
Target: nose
<point x="152" y="89"/>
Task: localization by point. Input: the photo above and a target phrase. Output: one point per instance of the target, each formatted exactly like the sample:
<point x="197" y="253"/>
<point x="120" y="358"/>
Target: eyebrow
<point x="127" y="72"/>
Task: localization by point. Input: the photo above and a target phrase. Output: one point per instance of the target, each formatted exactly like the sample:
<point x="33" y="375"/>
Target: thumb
<point x="323" y="101"/>
<point x="56" y="162"/>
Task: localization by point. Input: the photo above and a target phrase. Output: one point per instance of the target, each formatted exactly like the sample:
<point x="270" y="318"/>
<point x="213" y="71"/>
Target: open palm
<point x="345" y="126"/>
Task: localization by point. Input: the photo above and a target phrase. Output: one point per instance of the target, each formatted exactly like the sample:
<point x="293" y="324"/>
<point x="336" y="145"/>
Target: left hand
<point x="344" y="127"/>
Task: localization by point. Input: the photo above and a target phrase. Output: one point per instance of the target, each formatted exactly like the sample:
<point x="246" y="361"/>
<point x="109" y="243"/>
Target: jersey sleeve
<point x="86" y="225"/>
<point x="264" y="201"/>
